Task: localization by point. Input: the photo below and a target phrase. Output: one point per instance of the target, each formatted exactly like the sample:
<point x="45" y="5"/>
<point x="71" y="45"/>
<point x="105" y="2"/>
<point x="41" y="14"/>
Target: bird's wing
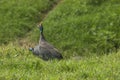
<point x="53" y="51"/>
<point x="48" y="46"/>
<point x="42" y="52"/>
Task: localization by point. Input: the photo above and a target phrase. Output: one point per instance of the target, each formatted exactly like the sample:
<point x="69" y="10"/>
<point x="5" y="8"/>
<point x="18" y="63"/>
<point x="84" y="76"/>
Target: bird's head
<point x="31" y="49"/>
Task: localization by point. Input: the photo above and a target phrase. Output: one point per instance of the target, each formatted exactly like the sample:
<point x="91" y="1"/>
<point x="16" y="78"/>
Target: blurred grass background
<point x="76" y="27"/>
<point x="85" y="31"/>
<point x="19" y="17"/>
<point x="19" y="64"/>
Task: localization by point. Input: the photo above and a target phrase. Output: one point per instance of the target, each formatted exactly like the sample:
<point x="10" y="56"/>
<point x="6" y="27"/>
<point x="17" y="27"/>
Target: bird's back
<point x="51" y="49"/>
<point x="46" y="51"/>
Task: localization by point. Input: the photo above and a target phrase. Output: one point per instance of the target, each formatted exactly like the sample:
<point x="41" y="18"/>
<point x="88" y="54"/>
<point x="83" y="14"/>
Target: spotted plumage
<point x="45" y="50"/>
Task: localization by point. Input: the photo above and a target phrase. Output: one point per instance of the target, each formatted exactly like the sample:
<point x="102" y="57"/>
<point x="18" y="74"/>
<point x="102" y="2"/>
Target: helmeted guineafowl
<point x="45" y="50"/>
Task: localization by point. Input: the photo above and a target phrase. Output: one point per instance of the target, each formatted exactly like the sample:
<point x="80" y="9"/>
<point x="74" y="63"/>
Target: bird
<point x="45" y="50"/>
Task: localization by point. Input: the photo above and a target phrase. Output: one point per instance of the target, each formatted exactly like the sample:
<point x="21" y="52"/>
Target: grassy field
<point x="86" y="32"/>
<point x="19" y="64"/>
<point x="19" y="17"/>
<point x="78" y="27"/>
<point x="84" y="26"/>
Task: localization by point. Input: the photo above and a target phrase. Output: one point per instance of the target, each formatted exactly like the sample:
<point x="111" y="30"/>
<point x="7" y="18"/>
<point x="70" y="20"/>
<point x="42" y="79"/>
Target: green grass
<point x="19" y="17"/>
<point x="75" y="27"/>
<point x="84" y="31"/>
<point x="84" y="26"/>
<point x="19" y="64"/>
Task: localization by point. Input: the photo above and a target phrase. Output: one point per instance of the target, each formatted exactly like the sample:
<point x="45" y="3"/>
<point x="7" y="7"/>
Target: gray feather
<point x="45" y="50"/>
